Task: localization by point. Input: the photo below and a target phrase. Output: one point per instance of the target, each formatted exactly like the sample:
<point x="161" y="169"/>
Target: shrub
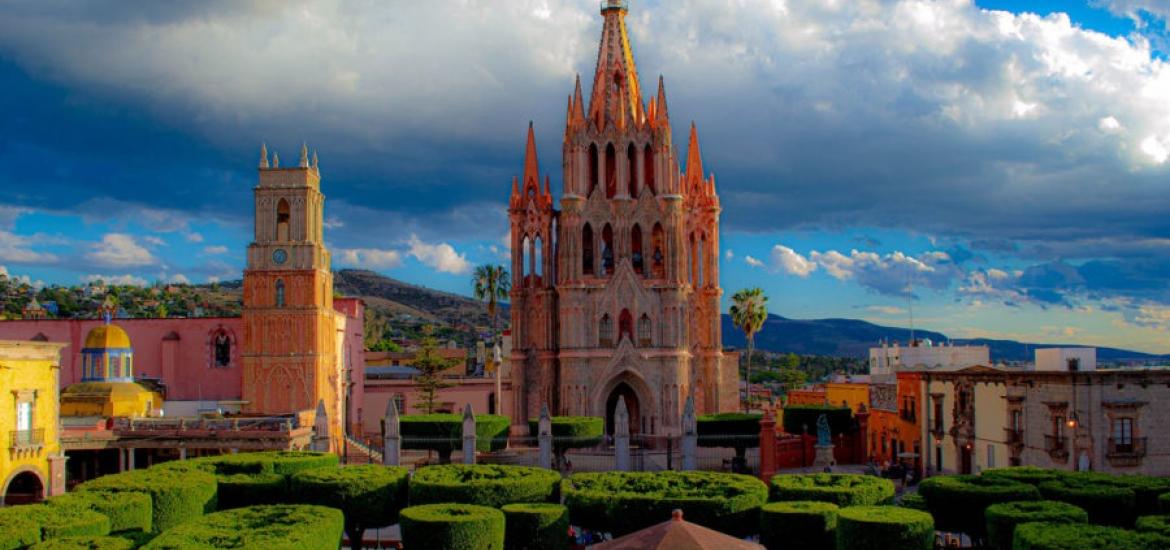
<point x="127" y="511"/>
<point x="1003" y="518"/>
<point x="444" y="433"/>
<point x="483" y="484"/>
<point x="240" y="490"/>
<point x="17" y="529"/>
<point x="884" y="527"/>
<point x="1164" y="503"/>
<point x="840" y="489"/>
<point x="277" y="527"/>
<point x="535" y="526"/>
<point x="1146" y="490"/>
<point x="177" y="496"/>
<point x="453" y="527"/>
<point x="572" y="432"/>
<point x="86" y="543"/>
<point x="799" y="524"/>
<point x="623" y="502"/>
<point x="1025" y="474"/>
<point x="1153" y="524"/>
<point x="800" y="419"/>
<point x="1061" y="536"/>
<point x="274" y="462"/>
<point x="1108" y="501"/>
<point x="369" y="495"/>
<point x="737" y="430"/>
<point x="914" y="501"/>
<point x="957" y="502"/>
<point x="63" y="521"/>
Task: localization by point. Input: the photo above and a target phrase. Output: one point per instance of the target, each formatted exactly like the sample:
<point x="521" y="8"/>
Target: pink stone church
<point x="616" y="294"/>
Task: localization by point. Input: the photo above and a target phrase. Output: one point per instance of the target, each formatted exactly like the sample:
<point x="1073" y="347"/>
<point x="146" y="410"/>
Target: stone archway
<point x="24" y="487"/>
<point x="623" y="390"/>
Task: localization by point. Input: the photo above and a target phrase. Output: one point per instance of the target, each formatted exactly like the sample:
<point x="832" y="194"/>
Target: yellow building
<point x="107" y="388"/>
<point x="855" y="395"/>
<point x="34" y="466"/>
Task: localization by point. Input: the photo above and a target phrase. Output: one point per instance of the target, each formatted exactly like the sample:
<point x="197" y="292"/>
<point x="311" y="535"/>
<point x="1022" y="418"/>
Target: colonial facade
<point x="616" y="294"/>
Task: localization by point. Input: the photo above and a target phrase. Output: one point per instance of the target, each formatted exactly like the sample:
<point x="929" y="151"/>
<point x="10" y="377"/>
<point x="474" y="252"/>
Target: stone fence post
<point x="621" y="436"/>
<point x="544" y="437"/>
<point x="321" y="428"/>
<point x="391" y="436"/>
<point x="690" y="436"/>
<point x="768" y="445"/>
<point x="468" y="435"/>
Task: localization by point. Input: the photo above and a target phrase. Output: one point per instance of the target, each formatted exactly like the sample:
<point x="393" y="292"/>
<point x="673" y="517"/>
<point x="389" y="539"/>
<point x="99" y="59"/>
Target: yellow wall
<point x="847" y="392"/>
<point x="29" y="370"/>
<point x="990" y="421"/>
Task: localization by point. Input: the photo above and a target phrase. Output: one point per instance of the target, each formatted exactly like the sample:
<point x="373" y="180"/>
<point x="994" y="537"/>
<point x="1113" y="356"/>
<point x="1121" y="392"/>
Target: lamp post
<point x="498" y="360"/>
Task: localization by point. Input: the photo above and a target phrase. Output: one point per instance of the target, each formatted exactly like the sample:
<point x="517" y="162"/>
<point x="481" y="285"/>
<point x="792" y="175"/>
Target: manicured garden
<point x="273" y="501"/>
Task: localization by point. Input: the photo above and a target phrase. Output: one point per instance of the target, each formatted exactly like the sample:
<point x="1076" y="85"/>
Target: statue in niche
<point x="824" y="435"/>
<point x="223" y="349"/>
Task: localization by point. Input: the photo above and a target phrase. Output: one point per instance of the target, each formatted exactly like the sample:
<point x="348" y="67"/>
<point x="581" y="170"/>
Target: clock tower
<point x="290" y="327"/>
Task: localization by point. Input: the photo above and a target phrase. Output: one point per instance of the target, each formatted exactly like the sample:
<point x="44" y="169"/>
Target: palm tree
<point x="749" y="310"/>
<point x="492" y="283"/>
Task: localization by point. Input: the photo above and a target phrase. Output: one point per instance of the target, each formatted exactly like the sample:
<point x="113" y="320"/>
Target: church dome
<point x="107" y="337"/>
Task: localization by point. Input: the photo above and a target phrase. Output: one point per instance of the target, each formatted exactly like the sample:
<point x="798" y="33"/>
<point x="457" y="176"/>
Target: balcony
<point x="1057" y="447"/>
<point x="1126" y="452"/>
<point x="26" y="442"/>
<point x="908" y="416"/>
<point x="1014" y="437"/>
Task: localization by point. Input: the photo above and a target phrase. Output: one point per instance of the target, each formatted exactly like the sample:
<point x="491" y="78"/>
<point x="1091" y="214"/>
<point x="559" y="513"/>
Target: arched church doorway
<point x="24" y="488"/>
<point x="632" y="406"/>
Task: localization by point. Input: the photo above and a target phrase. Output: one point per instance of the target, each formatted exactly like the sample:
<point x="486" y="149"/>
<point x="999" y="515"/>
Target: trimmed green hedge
<point x="1108" y="501"/>
<point x="63" y="521"/>
<point x="177" y="496"/>
<point x="623" y="502"/>
<point x="840" y="489"/>
<point x="572" y="432"/>
<point x="729" y="429"/>
<point x="884" y="528"/>
<point x="444" y="433"/>
<point x="1153" y="524"/>
<point x="1061" y="536"/>
<point x="86" y="543"/>
<point x="1025" y="474"/>
<point x="278" y="527"/>
<point x="1003" y="518"/>
<point x="1146" y="490"/>
<point x="798" y="418"/>
<point x="285" y="463"/>
<point x="1164" y="503"/>
<point x="17" y="529"/>
<point x="958" y="502"/>
<point x="127" y="511"/>
<point x="452" y="527"/>
<point x="799" y="524"/>
<point x="484" y="484"/>
<point x="240" y="490"/>
<point x="369" y="495"/>
<point x="914" y="501"/>
<point x="539" y="526"/>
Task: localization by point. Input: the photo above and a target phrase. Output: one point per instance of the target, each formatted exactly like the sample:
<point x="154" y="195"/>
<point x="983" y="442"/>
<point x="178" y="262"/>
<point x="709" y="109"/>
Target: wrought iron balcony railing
<point x="22" y="439"/>
<point x="1056" y="445"/>
<point x="1014" y="436"/>
<point x="1131" y="447"/>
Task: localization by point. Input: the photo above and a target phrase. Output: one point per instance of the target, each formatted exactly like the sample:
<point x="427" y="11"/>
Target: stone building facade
<point x="616" y="293"/>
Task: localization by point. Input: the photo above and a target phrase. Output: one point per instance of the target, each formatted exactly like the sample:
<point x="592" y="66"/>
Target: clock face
<point x="279" y="256"/>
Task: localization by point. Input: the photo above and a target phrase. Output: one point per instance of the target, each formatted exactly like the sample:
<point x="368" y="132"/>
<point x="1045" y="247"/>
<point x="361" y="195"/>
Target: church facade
<point x="615" y="294"/>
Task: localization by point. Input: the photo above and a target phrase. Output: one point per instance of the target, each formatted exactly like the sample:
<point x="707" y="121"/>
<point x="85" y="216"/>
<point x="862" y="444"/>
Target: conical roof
<point x="676" y="534"/>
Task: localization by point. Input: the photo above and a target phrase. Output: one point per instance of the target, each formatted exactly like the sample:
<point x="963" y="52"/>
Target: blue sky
<point x="999" y="167"/>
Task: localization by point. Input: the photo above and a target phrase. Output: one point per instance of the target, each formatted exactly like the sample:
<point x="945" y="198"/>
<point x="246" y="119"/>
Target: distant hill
<point x="394" y="297"/>
<point x="853" y="338"/>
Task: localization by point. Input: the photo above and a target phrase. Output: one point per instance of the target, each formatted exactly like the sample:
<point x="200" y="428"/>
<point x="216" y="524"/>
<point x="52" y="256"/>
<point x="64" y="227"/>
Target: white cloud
<point x="752" y="261"/>
<point x="215" y="249"/>
<point x="127" y="279"/>
<point x="120" y="250"/>
<point x="193" y="237"/>
<point x="788" y="260"/>
<point x="895" y="273"/>
<point x="729" y="254"/>
<point x="1109" y="125"/>
<point x="441" y="256"/>
<point x="18" y="249"/>
<point x="1156" y="149"/>
<point x="369" y="258"/>
<point x="887" y="310"/>
<point x="153" y="240"/>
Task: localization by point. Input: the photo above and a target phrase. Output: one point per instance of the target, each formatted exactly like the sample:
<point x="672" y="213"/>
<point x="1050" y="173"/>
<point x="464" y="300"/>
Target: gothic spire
<point x="694" y="157"/>
<point x="304" y="163"/>
<point x="264" y="155"/>
<point x="660" y="105"/>
<point x="531" y="167"/>
<point x="616" y="92"/>
<point x="578" y="109"/>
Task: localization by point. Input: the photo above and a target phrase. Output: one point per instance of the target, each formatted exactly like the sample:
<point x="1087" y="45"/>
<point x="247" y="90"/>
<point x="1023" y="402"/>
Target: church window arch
<point x="587" y="250"/>
<point x="610" y="171"/>
<point x="593" y="166"/>
<point x="658" y="253"/>
<point x="538" y="257"/>
<point x="525" y="258"/>
<point x="282" y="220"/>
<point x="607" y="249"/>
<point x="279" y="293"/>
<point x="636" y="250"/>
<point x="645" y="328"/>
<point x="691" y="259"/>
<point x="701" y="260"/>
<point x="605" y="331"/>
<point x="222" y="346"/>
<point x="626" y="326"/>
<point x="631" y="171"/>
<point x="648" y="169"/>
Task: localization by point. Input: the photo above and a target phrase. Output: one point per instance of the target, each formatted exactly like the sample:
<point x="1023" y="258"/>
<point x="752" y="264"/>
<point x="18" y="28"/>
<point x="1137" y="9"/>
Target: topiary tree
<point x="1025" y="474"/>
<point x="884" y="527"/>
<point x="369" y="495"/>
<point x="571" y="432"/>
<point x="914" y="501"/>
<point x="177" y="496"/>
<point x="1108" y="501"/>
<point x="957" y="502"/>
<point x="1062" y="536"/>
<point x="444" y="433"/>
<point x="17" y="529"/>
<point x="799" y="524"/>
<point x="86" y="543"/>
<point x="736" y="430"/>
<point x="800" y="419"/>
<point x="538" y="526"/>
<point x="454" y="526"/>
<point x="484" y="484"/>
<point x="839" y="489"/>
<point x="258" y="527"/>
<point x="1003" y="518"/>
<point x="126" y="511"/>
<point x="623" y="502"/>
